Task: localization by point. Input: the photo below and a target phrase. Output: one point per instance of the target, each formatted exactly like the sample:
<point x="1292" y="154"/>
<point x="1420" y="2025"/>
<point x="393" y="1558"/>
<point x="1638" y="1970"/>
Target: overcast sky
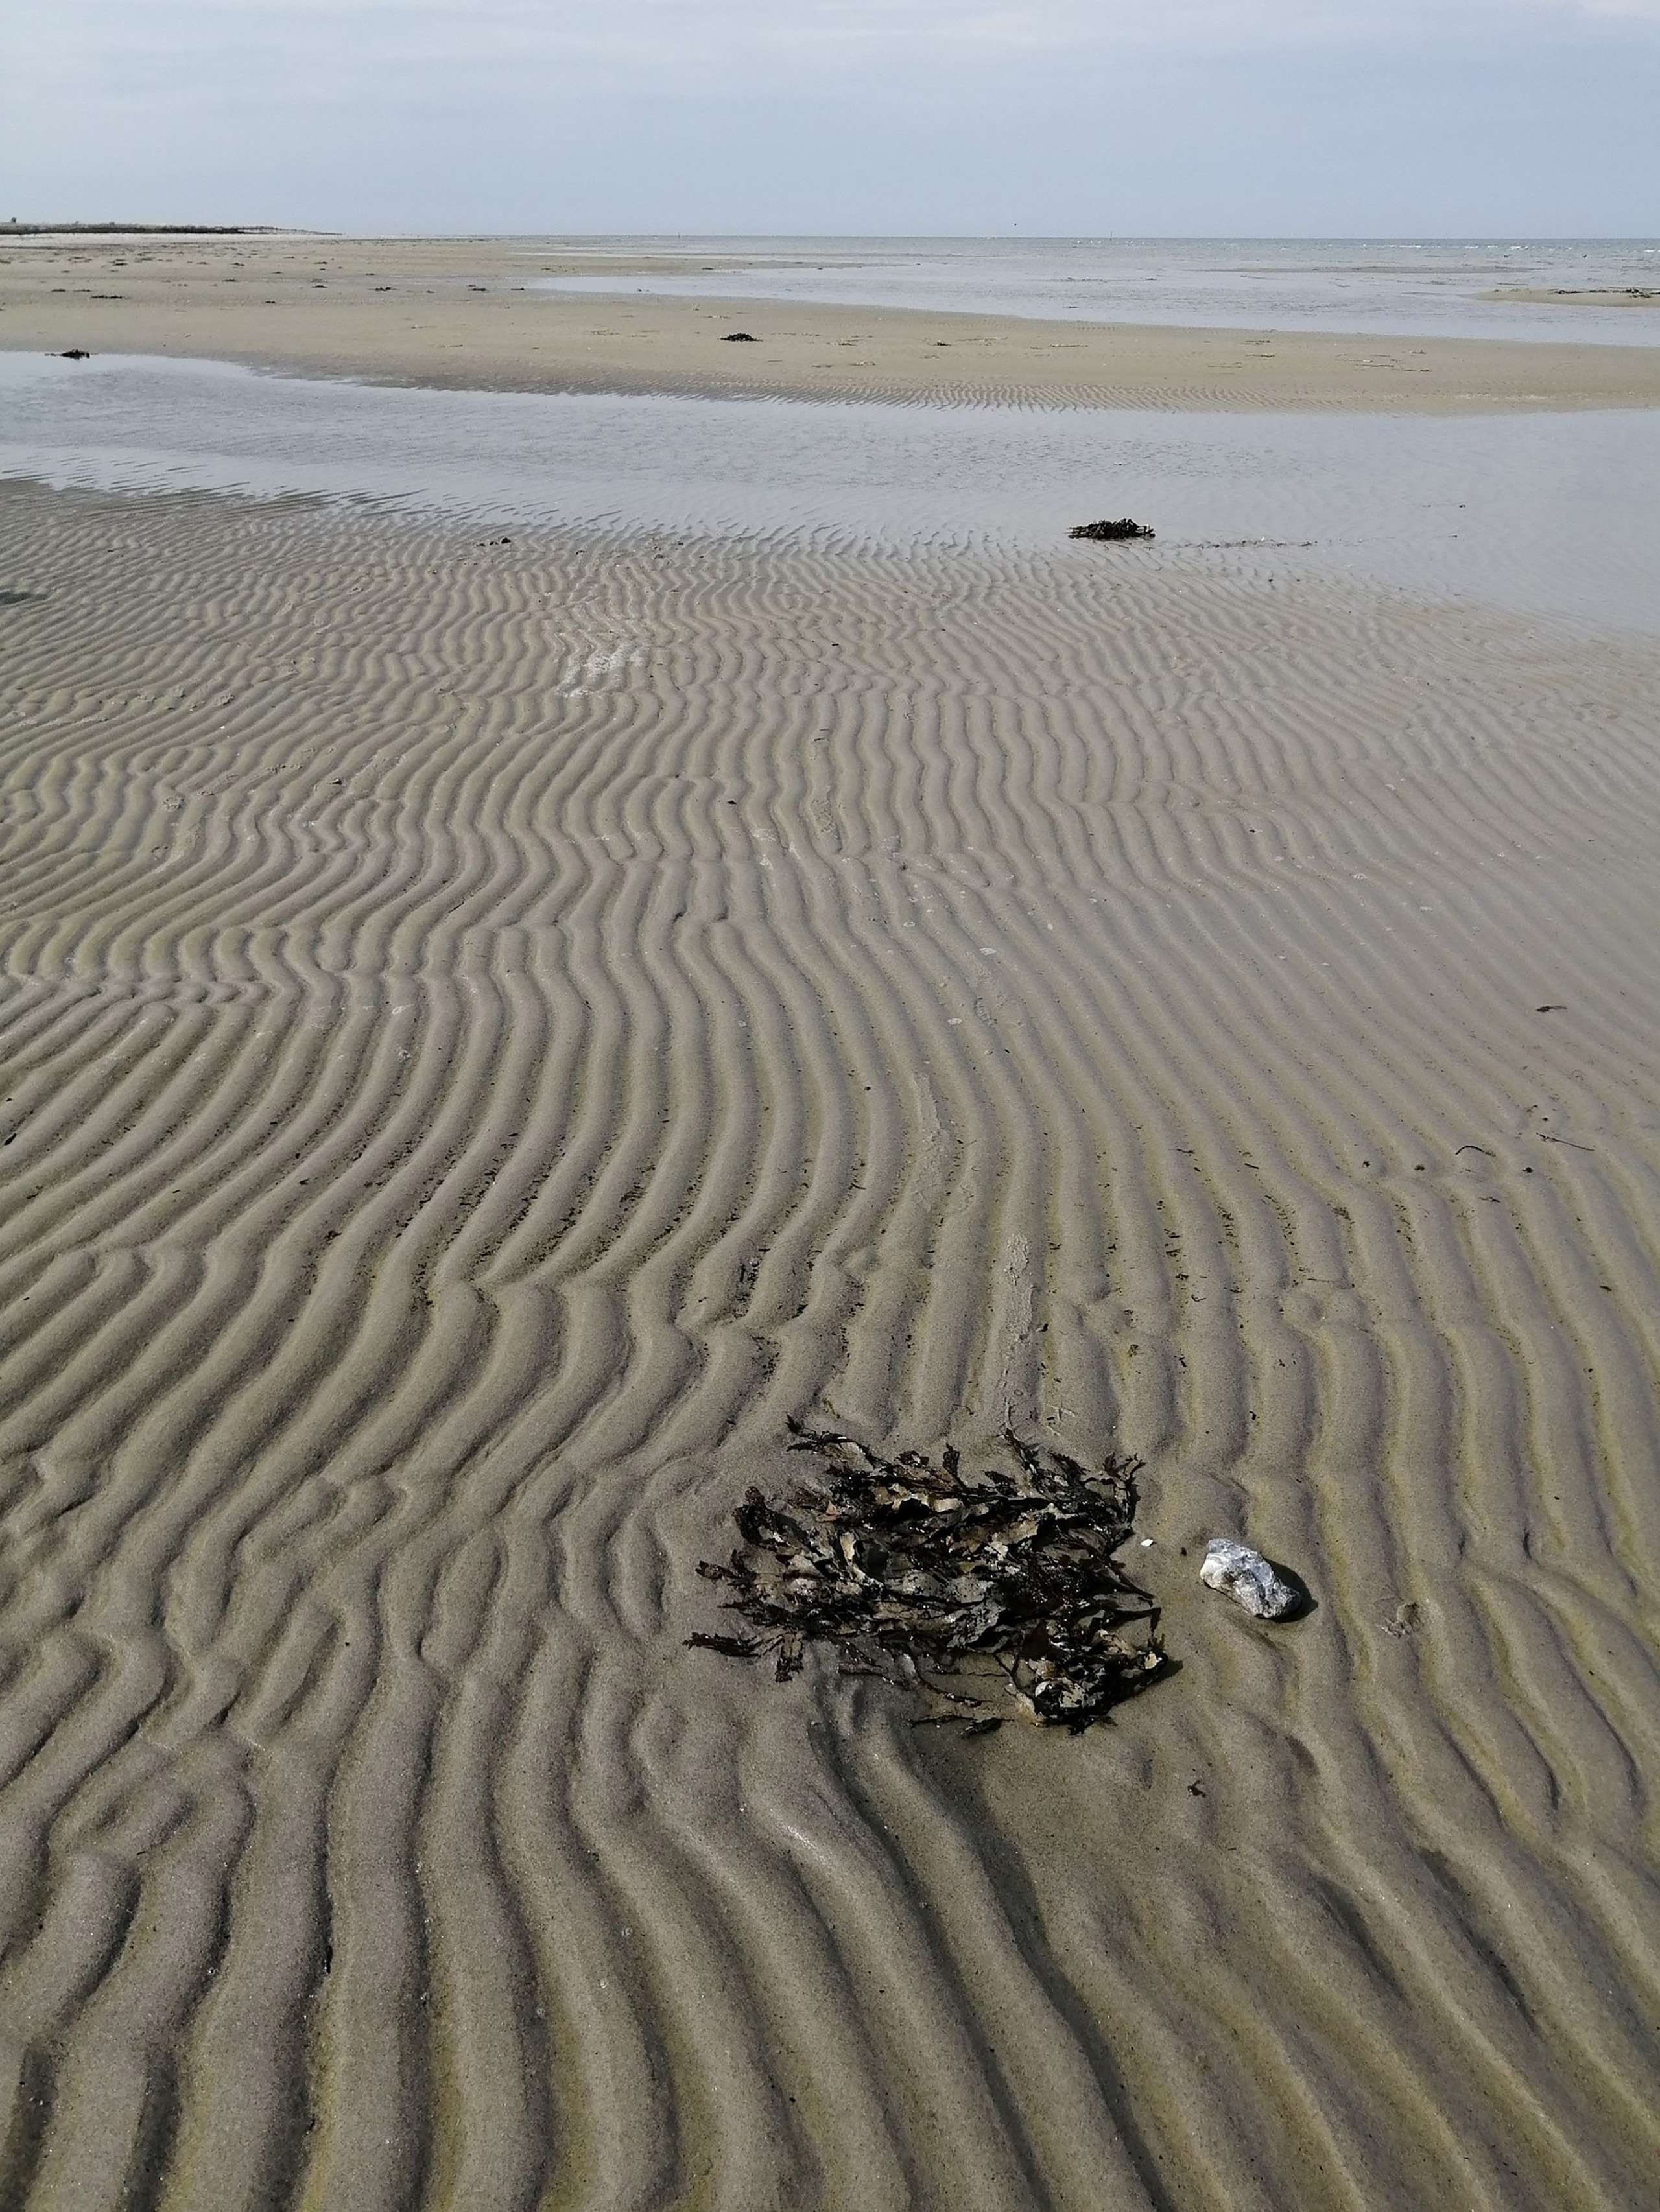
<point x="1066" y="117"/>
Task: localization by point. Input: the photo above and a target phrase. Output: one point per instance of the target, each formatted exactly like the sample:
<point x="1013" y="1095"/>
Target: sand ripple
<point x="488" y="1031"/>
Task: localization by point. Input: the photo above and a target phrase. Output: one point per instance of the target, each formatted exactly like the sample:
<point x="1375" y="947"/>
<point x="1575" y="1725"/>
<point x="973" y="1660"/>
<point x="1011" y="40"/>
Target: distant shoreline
<point x="144" y="230"/>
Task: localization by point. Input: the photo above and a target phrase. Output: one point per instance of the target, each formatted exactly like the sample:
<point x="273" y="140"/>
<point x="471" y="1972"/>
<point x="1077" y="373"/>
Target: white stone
<point x="1246" y="1576"/>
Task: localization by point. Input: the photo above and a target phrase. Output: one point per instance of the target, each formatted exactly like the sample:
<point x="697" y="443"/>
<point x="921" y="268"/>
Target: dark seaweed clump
<point x="1109" y="533"/>
<point x="917" y="1571"/>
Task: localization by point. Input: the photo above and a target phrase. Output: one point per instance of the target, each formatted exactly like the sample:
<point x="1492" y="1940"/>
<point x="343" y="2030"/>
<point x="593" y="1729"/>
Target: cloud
<point x="757" y="36"/>
<point x="711" y="113"/>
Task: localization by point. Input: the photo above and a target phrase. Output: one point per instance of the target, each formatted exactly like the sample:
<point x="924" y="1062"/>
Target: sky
<point x="1195" y="118"/>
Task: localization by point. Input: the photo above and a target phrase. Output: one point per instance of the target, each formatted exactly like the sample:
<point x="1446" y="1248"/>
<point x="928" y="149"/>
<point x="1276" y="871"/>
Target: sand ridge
<point x="1579" y="295"/>
<point x="456" y="311"/>
<point x="487" y="1030"/>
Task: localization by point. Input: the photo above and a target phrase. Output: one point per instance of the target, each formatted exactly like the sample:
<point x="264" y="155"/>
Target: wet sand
<point x="455" y="312"/>
<point x="1585" y="296"/>
<point x="488" y="1029"/>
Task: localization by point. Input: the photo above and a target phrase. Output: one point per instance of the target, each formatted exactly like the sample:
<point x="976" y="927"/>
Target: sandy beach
<point x="458" y="312"/>
<point x="495" y="1022"/>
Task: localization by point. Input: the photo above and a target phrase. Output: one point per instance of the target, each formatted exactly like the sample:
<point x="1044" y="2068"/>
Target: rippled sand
<point x="487" y="1030"/>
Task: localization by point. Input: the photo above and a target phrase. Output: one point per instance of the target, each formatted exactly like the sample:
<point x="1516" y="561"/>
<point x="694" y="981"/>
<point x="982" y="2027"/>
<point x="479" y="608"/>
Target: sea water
<point x="1401" y="287"/>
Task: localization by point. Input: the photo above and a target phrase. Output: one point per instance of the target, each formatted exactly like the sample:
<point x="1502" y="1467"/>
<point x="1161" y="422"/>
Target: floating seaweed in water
<point x="917" y="1572"/>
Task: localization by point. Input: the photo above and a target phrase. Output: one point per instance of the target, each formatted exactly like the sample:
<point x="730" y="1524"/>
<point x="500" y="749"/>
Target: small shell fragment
<point x="1246" y="1576"/>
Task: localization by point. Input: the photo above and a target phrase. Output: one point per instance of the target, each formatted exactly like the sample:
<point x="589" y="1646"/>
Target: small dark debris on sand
<point x="75" y="353"/>
<point x="1109" y="533"/>
<point x="916" y="1570"/>
<point x="739" y="337"/>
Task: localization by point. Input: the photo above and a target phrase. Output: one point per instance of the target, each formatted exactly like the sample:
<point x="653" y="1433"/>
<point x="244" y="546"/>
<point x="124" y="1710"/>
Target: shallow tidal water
<point x="1546" y="514"/>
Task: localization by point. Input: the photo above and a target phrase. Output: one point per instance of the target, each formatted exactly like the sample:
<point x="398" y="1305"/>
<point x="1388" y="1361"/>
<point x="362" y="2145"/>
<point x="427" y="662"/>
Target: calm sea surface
<point x="1394" y="287"/>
